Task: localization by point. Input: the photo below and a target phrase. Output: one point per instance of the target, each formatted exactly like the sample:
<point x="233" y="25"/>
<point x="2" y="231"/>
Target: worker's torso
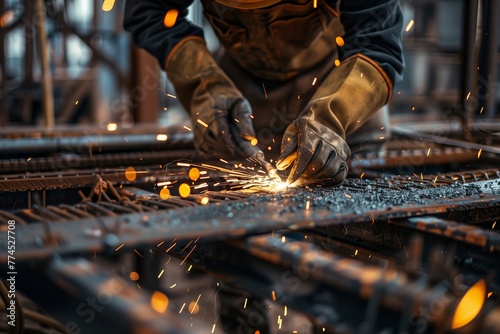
<point x="279" y="41"/>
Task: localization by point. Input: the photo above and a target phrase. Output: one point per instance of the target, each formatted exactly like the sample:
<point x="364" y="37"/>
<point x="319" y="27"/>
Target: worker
<point x="297" y="77"/>
<point x="303" y="73"/>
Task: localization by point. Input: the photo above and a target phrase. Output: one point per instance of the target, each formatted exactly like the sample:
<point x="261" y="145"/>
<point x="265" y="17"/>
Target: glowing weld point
<point x="337" y="62"/>
<point x="187" y="128"/>
<point x="245" y="304"/>
<point x="170" y="18"/>
<point x="254" y="142"/>
<point x="107" y="5"/>
<point x="348" y="196"/>
<point x="315" y="3"/>
<point x="273" y="295"/>
<point x="308" y="204"/>
<point x="314" y="81"/>
<point x="479" y="153"/>
<point x="134" y="276"/>
<point x="161" y="137"/>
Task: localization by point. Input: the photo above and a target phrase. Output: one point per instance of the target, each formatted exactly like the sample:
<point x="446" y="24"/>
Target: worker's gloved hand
<point x="313" y="146"/>
<point x="220" y="114"/>
<point x="314" y="152"/>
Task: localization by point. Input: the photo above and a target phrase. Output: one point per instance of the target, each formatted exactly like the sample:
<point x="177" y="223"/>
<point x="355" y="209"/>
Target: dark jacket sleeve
<point x="144" y="19"/>
<point x="374" y="28"/>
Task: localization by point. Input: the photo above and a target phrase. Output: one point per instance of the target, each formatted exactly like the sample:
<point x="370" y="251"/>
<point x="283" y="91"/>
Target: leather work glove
<point x="313" y="146"/>
<point x="220" y="114"/>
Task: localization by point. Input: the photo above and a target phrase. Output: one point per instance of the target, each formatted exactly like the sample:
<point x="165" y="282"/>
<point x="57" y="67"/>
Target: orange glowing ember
<point x="159" y="302"/>
<point x="193" y="307"/>
<point x="470" y="305"/>
<point x="164" y="193"/>
<point x="194" y="174"/>
<point x="184" y="190"/>
<point x="340" y="41"/>
<point x="107" y="5"/>
<point x="130" y="174"/>
<point x="170" y="18"/>
<point x="6" y="18"/>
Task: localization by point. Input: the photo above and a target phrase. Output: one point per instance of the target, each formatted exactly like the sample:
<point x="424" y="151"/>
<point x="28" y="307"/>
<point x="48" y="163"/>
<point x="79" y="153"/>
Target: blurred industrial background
<point x="95" y="149"/>
<point x="95" y="66"/>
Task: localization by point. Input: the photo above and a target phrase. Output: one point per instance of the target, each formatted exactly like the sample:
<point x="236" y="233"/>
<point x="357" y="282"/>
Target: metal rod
<point x="487" y="72"/>
<point x="445" y="140"/>
<point x="43" y="48"/>
<point x="467" y="84"/>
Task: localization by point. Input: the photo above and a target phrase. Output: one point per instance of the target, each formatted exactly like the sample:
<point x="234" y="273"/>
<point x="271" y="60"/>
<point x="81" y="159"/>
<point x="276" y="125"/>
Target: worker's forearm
<point x="374" y="29"/>
<point x="144" y="19"/>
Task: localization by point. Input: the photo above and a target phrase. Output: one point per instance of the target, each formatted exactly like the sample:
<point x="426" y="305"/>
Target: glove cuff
<point x="179" y="45"/>
<point x="354" y="91"/>
<point x="193" y="71"/>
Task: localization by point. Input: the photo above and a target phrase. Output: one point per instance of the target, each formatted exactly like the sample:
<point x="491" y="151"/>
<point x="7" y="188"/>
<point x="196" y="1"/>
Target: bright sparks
<point x="161" y="137"/>
<point x="111" y="127"/>
<point x="202" y="123"/>
<point x="410" y="25"/>
<point x="107" y="5"/>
